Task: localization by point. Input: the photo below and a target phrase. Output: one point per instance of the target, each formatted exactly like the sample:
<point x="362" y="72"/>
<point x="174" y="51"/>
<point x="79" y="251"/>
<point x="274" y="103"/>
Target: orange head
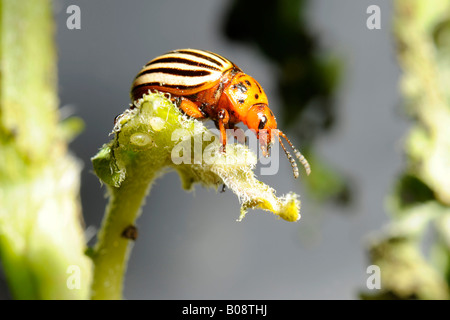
<point x="250" y="105"/>
<point x="261" y="120"/>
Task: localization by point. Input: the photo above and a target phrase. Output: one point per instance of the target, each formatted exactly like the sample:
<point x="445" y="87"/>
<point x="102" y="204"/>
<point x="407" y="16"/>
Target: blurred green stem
<point x="421" y="199"/>
<point x="41" y="240"/>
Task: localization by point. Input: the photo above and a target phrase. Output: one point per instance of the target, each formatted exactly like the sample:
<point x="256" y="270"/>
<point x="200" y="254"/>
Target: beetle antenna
<point x="297" y="153"/>
<point x="290" y="158"/>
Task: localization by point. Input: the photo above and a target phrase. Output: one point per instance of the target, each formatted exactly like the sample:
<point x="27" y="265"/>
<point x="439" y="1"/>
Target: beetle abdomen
<point x="181" y="72"/>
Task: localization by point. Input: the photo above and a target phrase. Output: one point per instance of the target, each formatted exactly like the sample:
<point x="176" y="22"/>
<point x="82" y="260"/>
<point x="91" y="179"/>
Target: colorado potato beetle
<point x="205" y="85"/>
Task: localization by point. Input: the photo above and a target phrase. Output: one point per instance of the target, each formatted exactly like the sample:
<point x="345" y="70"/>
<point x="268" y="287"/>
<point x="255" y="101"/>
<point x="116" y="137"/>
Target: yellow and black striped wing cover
<point x="181" y="72"/>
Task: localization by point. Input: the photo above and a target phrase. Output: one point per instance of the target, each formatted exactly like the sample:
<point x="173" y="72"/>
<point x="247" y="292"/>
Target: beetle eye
<point x="262" y="122"/>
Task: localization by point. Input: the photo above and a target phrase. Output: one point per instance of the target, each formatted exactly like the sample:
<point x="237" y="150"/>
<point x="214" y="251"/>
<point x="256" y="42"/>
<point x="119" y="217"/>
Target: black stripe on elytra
<point x="197" y="54"/>
<point x="182" y="61"/>
<point x="218" y="56"/>
<point x="158" y="84"/>
<point x="177" y="72"/>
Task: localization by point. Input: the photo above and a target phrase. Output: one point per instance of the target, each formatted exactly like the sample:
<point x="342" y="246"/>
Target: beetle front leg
<point x="189" y="108"/>
<point x="223" y="118"/>
<point x="238" y="133"/>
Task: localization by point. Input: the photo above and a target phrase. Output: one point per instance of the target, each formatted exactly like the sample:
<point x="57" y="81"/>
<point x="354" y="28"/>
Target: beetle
<point x="205" y="85"/>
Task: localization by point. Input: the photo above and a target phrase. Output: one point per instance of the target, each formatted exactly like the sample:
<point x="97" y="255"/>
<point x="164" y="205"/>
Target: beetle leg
<point x="240" y="138"/>
<point x="223" y="118"/>
<point x="189" y="108"/>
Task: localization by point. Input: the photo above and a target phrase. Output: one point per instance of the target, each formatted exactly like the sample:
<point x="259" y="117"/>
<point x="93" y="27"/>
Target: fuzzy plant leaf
<point x="150" y="138"/>
<point x="154" y="135"/>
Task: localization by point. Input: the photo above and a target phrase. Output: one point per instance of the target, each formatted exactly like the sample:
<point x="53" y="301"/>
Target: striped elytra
<point x="205" y="85"/>
<point x="181" y="71"/>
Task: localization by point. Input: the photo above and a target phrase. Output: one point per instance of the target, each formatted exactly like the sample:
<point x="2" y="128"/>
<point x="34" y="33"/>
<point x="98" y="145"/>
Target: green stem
<point x="144" y="145"/>
<point x="112" y="250"/>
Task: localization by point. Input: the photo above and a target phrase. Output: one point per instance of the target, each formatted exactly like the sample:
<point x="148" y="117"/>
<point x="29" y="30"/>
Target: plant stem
<point x="112" y="250"/>
<point x="147" y="138"/>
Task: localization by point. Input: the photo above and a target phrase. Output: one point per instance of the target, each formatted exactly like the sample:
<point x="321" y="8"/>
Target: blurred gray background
<point x="190" y="245"/>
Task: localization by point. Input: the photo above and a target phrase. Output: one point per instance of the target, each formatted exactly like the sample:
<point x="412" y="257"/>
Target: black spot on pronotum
<point x="262" y="122"/>
<point x="242" y="87"/>
<point x="259" y="87"/>
<point x="241" y="101"/>
<point x="130" y="233"/>
<point x="256" y="96"/>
